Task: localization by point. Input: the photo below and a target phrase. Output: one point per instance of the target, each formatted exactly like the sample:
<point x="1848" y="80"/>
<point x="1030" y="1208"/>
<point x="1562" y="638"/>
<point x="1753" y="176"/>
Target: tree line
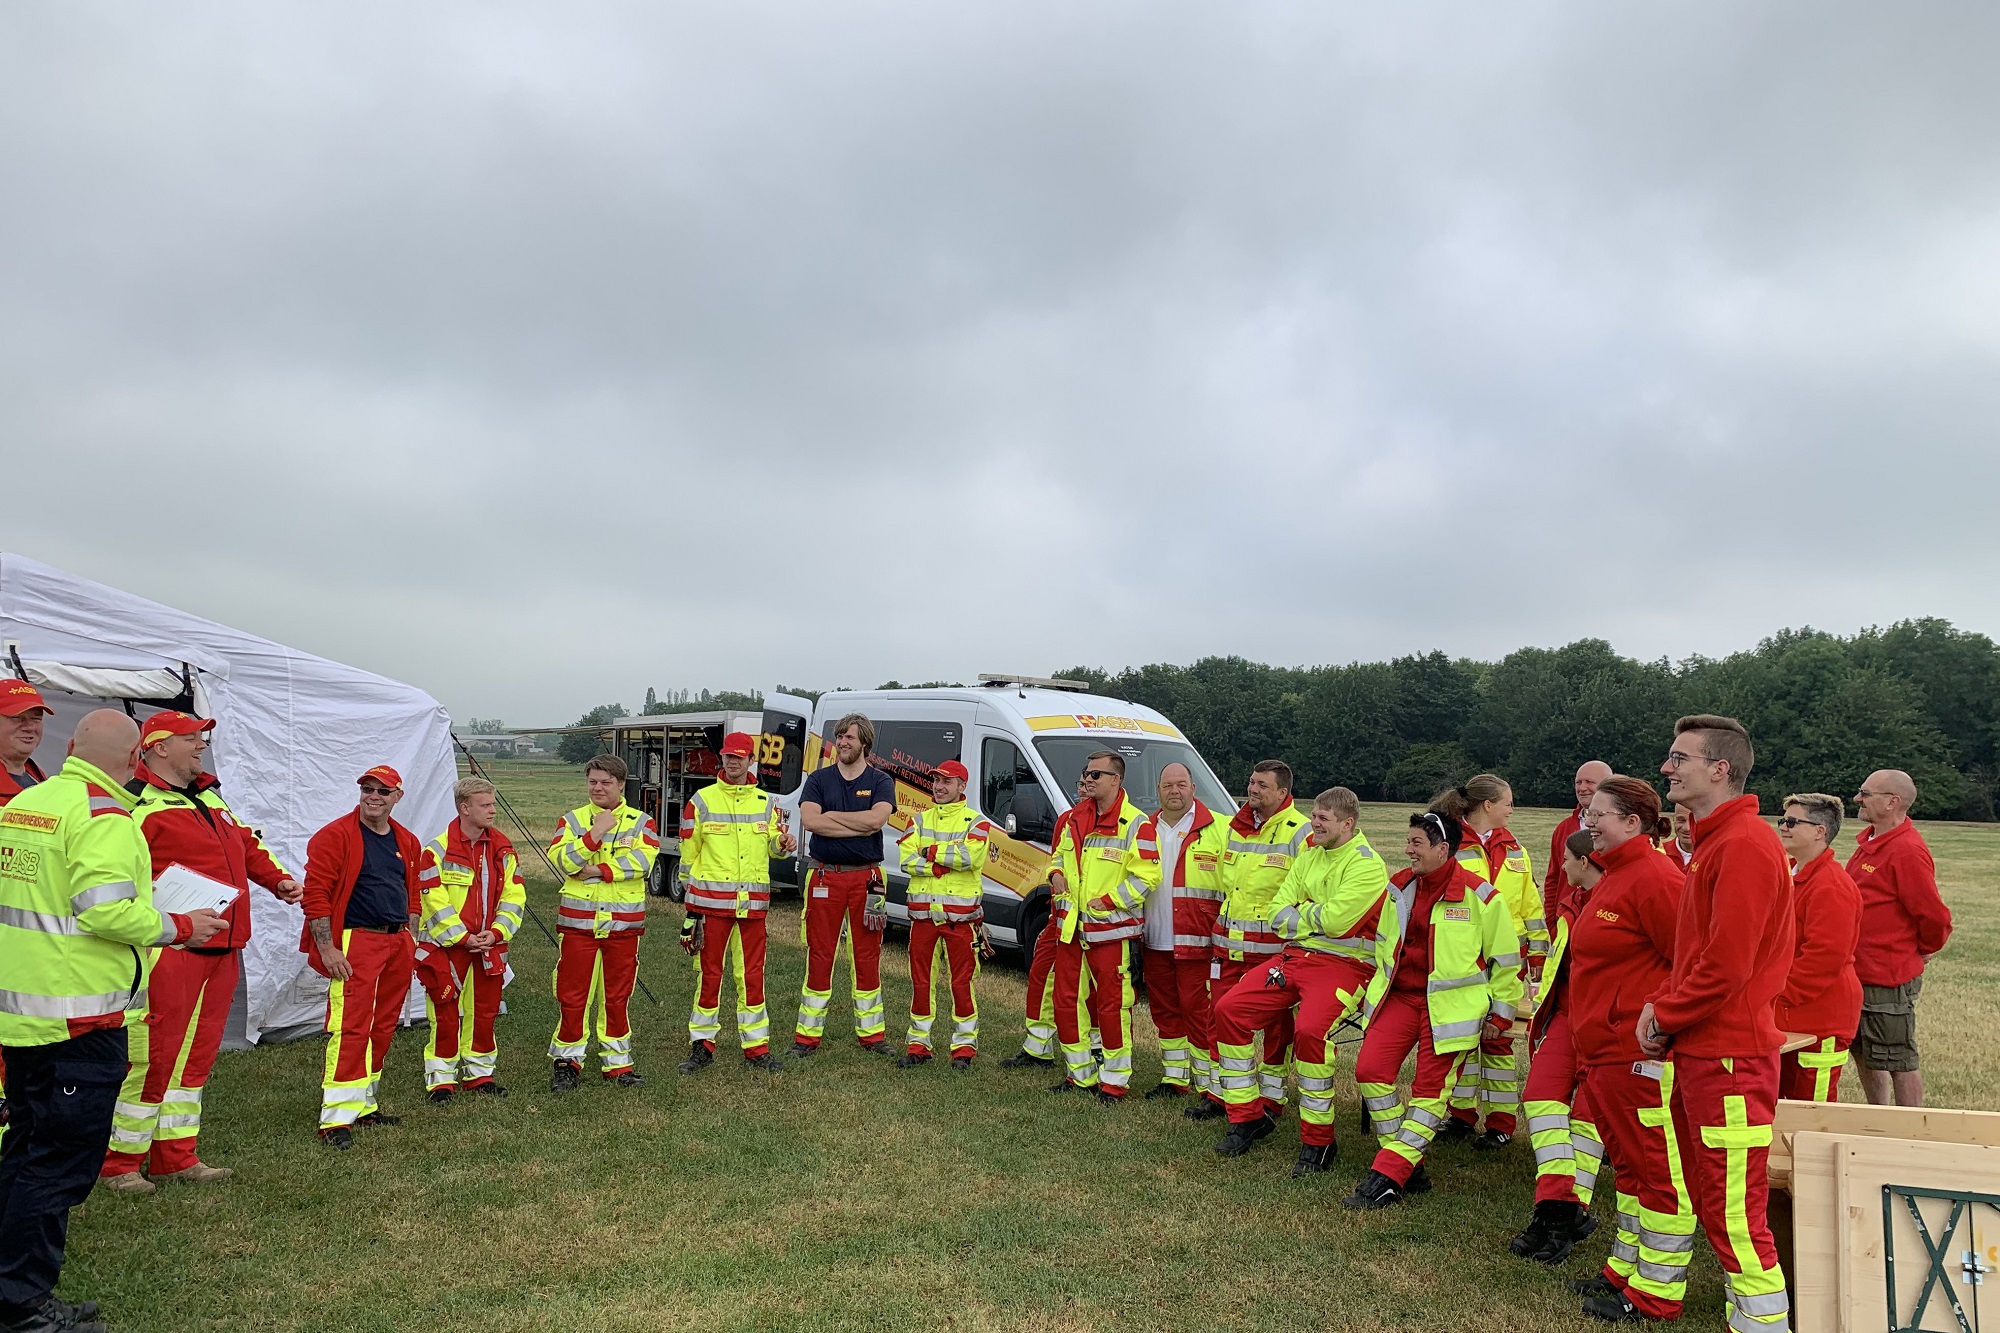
<point x="1824" y="712"/>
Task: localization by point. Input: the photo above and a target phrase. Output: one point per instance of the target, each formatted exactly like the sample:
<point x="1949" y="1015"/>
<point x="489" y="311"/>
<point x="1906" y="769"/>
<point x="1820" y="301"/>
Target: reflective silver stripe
<point x="708" y="816"/>
<point x="1770" y="1303"/>
<point x="1665" y="1242"/>
<point x="1256" y="848"/>
<point x="1505" y="960"/>
<point x="731" y="885"/>
<point x="101" y="803"/>
<point x="1284" y="920"/>
<point x="1382" y="1103"/>
<point x="1502" y="1009"/>
<point x="116" y="891"/>
<point x="1534" y="923"/>
<point x="1665" y="1274"/>
<point x="592" y="906"/>
<point x="1554" y="1152"/>
<point x="429" y="873"/>
<point x="1206" y="895"/>
<point x="941" y="835"/>
<point x="68" y="1006"/>
<point x="1193" y="941"/>
<point x="168" y="932"/>
<point x="1436" y="984"/>
<point x="1450" y="1031"/>
<point x="48" y="923"/>
<point x="1542" y="1124"/>
<point x="1625" y="1250"/>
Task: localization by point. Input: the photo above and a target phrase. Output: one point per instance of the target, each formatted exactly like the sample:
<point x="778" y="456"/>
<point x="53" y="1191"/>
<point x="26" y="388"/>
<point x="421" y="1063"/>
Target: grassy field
<point x="848" y="1194"/>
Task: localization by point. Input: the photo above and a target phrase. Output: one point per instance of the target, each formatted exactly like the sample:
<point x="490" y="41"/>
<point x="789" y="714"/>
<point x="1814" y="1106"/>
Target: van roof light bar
<point x="1001" y="682"/>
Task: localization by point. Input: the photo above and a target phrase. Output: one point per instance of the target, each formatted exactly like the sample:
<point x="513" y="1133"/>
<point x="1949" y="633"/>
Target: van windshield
<point x="1144" y="757"/>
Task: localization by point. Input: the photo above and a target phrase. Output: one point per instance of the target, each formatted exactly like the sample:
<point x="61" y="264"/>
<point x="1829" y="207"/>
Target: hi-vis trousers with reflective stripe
<point x="1095" y="983"/>
<point x="1722" y="1113"/>
<point x="1490" y="1080"/>
<point x="595" y="971"/>
<point x="1656" y="1225"/>
<point x="1276" y="1061"/>
<point x="960" y="950"/>
<point x="735" y="943"/>
<point x="1813" y="1074"/>
<point x="1177" y="996"/>
<point x="462" y="1049"/>
<point x="361" y="1017"/>
<point x="1326" y="989"/>
<point x="837" y="898"/>
<point x="1402" y="1023"/>
<point x="172" y="1051"/>
<point x="1560" y="1125"/>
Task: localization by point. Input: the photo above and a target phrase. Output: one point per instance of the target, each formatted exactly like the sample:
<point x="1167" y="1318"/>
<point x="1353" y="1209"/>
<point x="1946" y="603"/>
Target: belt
<point x="396" y="929"/>
<point x="844" y="868"/>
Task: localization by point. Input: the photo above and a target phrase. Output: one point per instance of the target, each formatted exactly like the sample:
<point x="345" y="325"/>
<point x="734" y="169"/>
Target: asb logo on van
<point x="1100" y="722"/>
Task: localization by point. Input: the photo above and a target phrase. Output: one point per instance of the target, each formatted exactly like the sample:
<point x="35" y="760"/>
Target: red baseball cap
<point x="18" y="697"/>
<point x="160" y="726"/>
<point x="739" y="742"/>
<point x="383" y="774"/>
<point x="951" y="768"/>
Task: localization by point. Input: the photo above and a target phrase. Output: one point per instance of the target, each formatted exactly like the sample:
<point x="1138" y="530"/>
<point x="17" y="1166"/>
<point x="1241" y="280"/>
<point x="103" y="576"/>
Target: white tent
<point x="293" y="732"/>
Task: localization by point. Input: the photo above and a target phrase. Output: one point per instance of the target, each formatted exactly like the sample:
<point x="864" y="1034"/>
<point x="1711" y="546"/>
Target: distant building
<point x="510" y="745"/>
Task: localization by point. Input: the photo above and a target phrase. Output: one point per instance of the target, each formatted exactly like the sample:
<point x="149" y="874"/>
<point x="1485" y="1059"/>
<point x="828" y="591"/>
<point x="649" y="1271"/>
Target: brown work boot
<point x="201" y="1173"/>
<point x="129" y="1182"/>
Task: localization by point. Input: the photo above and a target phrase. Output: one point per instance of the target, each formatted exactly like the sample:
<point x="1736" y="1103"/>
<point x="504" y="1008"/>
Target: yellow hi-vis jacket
<point x="453" y="871"/>
<point x="1475" y="957"/>
<point x="1254" y="865"/>
<point x="1330" y="899"/>
<point x="1107" y="874"/>
<point x="78" y="930"/>
<point x="1515" y="881"/>
<point x="604" y="883"/>
<point x="729" y="833"/>
<point x="944" y="854"/>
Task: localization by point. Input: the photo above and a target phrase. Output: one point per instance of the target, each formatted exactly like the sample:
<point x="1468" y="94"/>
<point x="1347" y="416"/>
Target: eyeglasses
<point x="1793" y="821"/>
<point x="1092" y="774"/>
<point x="377" y="791"/>
<point x="1864" y="792"/>
<point x="1675" y="759"/>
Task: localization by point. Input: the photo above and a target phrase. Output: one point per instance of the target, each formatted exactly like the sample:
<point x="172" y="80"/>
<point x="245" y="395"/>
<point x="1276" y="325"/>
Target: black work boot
<point x="1453" y="1130"/>
<point x="439" y="1096"/>
<point x="340" y="1136"/>
<point x="51" y="1316"/>
<point x="961" y="1062"/>
<point x="802" y="1050"/>
<point x="913" y="1059"/>
<point x="1533" y="1236"/>
<point x="700" y="1056"/>
<point x="1314" y="1158"/>
<point x="768" y="1062"/>
<point x="567" y="1076"/>
<point x="377" y="1118"/>
<point x="1243" y="1135"/>
<point x="1419" y="1181"/>
<point x="1206" y="1108"/>
<point x="1616" y="1308"/>
<point x="1599" y="1285"/>
<point x="1567" y="1227"/>
<point x="630" y="1078"/>
<point x="1161" y="1091"/>
<point x="1023" y="1060"/>
<point x="489" y="1090"/>
<point x="1492" y="1140"/>
<point x="1375" y="1191"/>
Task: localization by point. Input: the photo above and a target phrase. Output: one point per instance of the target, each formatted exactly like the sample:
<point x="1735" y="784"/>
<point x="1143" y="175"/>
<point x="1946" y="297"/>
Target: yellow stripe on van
<point x="1064" y="723"/>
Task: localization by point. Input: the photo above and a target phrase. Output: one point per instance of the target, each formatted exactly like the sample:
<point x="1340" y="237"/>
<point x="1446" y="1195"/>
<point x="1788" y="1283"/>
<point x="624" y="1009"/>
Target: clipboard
<point x="180" y="890"/>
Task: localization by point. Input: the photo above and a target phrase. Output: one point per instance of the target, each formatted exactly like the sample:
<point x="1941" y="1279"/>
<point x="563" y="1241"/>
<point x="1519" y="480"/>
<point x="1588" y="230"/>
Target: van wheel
<point x="1034" y="920"/>
<point x="660" y="882"/>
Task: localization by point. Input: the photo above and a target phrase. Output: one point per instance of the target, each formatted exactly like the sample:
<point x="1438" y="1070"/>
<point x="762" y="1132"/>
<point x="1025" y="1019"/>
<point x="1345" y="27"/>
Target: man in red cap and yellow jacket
<point x="21" y="714"/>
<point x="188" y="824"/>
<point x="361" y="903"/>
<point x="944" y="854"/>
<point x="473" y="901"/>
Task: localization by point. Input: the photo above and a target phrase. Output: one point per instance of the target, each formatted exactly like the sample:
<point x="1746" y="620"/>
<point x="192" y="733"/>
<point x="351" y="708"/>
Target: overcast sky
<point x="538" y="354"/>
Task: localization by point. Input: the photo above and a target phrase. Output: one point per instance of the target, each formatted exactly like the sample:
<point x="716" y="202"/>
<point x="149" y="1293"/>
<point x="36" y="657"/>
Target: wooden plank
<point x="1861" y="1168"/>
<point x="1797" y="1041"/>
<point x="1816" y="1234"/>
<point x="1924" y="1124"/>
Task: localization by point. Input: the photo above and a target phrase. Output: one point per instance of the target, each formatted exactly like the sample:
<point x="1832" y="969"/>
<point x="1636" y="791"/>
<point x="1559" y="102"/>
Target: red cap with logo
<point x="951" y="768"/>
<point x="160" y="726"/>
<point x="383" y="774"/>
<point x="739" y="742"/>
<point x="18" y="697"/>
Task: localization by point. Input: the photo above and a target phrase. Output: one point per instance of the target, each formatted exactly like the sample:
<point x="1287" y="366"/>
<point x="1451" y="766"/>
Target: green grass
<point x="847" y="1194"/>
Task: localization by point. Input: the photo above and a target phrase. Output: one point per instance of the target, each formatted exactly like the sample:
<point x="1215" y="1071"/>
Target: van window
<point x="1144" y="758"/>
<point x="781" y="752"/>
<point x="911" y="751"/>
<point x="1008" y="786"/>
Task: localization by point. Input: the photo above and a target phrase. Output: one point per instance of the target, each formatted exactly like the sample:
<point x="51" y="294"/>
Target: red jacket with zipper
<point x="1822" y="996"/>
<point x="1192" y="916"/>
<point x="194" y="827"/>
<point x="1555" y="883"/>
<point x="333" y="864"/>
<point x="1621" y="950"/>
<point x="1903" y="919"/>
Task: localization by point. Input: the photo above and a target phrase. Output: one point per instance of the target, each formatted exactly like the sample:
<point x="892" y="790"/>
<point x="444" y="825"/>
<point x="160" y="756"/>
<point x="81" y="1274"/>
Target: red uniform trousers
<point x="1325" y="988"/>
<point x="1277" y="1037"/>
<point x="1402" y="1023"/>
<point x="961" y="951"/>
<point x="171" y="1054"/>
<point x="1477" y="1085"/>
<point x="1040" y="1036"/>
<point x="837" y="897"/>
<point x="602" y="969"/>
<point x="1656" y="1224"/>
<point x="361" y="1017"/>
<point x="1177" y="995"/>
<point x="1108" y="1004"/>
<point x="736" y="943"/>
<point x="1722" y="1113"/>
<point x="1561" y="1129"/>
<point x="446" y="1065"/>
<point x="1813" y="1074"/>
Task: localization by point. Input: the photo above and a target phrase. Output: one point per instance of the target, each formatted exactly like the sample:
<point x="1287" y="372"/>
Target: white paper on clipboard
<point x="181" y="890"/>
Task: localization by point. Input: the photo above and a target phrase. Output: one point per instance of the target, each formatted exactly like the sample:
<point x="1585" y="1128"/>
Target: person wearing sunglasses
<point x="1717" y="1011"/>
<point x="1822" y="995"/>
<point x="1903" y="922"/>
<point x="1104" y="865"/>
<point x="361" y="901"/>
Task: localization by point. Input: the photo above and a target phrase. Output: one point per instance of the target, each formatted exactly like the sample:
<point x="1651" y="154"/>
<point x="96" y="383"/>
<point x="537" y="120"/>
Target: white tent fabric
<point x="293" y="732"/>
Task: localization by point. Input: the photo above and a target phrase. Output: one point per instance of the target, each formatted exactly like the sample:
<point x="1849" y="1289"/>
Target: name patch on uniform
<point x="1112" y="854"/>
<point x="24" y="863"/>
<point x="1458" y="914"/>
<point x="1205" y="860"/>
<point x="715" y="830"/>
<point x="1279" y="860"/>
<point x="33" y="819"/>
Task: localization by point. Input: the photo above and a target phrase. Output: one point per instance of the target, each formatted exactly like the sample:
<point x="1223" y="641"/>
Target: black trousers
<point x="61" y="1097"/>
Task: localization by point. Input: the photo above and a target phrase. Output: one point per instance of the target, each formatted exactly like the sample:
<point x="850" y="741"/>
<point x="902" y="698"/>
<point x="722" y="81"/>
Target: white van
<point x="1024" y="740"/>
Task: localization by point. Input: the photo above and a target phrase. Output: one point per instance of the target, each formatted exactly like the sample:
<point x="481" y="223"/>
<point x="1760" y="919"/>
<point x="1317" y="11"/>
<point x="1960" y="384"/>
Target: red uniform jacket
<point x="1621" y="950"/>
<point x="200" y="831"/>
<point x="1554" y="996"/>
<point x="1733" y="944"/>
<point x="9" y="788"/>
<point x="333" y="863"/>
<point x="1822" y="995"/>
<point x="1555" y="883"/>
<point x="1902" y="917"/>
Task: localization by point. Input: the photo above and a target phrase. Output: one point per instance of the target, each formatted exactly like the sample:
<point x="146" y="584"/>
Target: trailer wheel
<point x="665" y="877"/>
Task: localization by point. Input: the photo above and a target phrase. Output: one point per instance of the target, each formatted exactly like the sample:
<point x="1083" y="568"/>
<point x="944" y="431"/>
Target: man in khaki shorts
<point x="1903" y="922"/>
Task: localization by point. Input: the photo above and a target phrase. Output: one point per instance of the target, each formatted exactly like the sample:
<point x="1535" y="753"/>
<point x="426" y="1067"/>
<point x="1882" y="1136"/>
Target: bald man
<point x="1180" y="920"/>
<point x="1557" y="884"/>
<point x="1903" y="922"/>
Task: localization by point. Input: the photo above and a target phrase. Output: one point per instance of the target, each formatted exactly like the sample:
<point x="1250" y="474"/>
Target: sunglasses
<point x="1092" y="774"/>
<point x="372" y="790"/>
<point x="1793" y="821"/>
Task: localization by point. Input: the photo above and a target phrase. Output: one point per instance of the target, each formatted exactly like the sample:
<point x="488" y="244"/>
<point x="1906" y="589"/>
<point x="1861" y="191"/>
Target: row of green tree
<point x="1823" y="711"/>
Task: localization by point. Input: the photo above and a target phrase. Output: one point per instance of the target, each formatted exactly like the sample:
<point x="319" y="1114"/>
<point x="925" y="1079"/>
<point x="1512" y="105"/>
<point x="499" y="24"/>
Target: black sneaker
<point x="800" y="1050"/>
<point x="1419" y="1181"/>
<point x="767" y="1062"/>
<point x="49" y="1317"/>
<point x="1205" y="1109"/>
<point x="1533" y="1236"/>
<point x="1613" y="1309"/>
<point x="340" y="1136"/>
<point x="700" y="1056"/>
<point x="375" y="1118"/>
<point x="489" y="1090"/>
<point x="1453" y="1131"/>
<point x="439" y="1096"/>
<point x="1162" y="1091"/>
<point x="1314" y="1159"/>
<point x="631" y="1078"/>
<point x="1492" y="1140"/>
<point x="1067" y="1086"/>
<point x="912" y="1060"/>
<point x="1566" y="1229"/>
<point x="877" y="1048"/>
<point x="81" y="1312"/>
<point x="1591" y="1286"/>
<point x="1022" y="1060"/>
<point x="961" y="1062"/>
<point x="568" y="1077"/>
<point x="1375" y="1191"/>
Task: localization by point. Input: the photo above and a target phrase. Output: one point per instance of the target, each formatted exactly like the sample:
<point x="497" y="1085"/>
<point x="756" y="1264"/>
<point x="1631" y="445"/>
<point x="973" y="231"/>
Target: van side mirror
<point x="1032" y="818"/>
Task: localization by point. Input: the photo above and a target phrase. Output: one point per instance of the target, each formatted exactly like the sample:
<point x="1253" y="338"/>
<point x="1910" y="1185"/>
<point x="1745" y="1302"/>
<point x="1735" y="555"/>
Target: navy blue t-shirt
<point x="829" y="791"/>
<point x="381" y="894"/>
